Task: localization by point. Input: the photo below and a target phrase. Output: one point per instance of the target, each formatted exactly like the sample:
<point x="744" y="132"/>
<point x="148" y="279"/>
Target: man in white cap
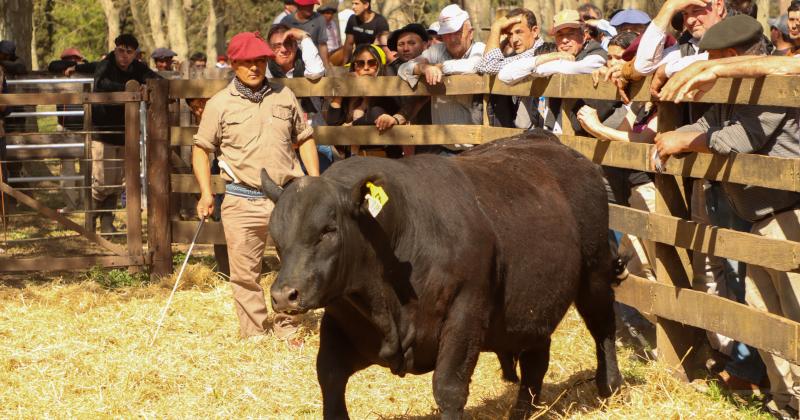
<point x="457" y="54"/>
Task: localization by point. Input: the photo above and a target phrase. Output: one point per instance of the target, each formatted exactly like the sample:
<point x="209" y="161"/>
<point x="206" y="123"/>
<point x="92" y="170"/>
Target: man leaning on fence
<point x="108" y="148"/>
<point x="457" y="54"/>
<point x="254" y="125"/>
<point x="765" y="130"/>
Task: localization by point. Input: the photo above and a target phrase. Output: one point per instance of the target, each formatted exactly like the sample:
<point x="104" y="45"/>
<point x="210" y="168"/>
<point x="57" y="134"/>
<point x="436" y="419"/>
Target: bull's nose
<point x="285" y="299"/>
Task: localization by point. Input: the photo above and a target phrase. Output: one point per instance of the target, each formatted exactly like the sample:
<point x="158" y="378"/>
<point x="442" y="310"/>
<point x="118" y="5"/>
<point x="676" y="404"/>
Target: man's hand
<point x="691" y="83"/>
<point x="676" y="6"/>
<point x="587" y="116"/>
<point x="433" y="74"/>
<point x="205" y="206"/>
<point x="385" y="122"/>
<point x="505" y="23"/>
<point x="69" y="71"/>
<point x="659" y="79"/>
<point x="297" y="34"/>
<point x="560" y="55"/>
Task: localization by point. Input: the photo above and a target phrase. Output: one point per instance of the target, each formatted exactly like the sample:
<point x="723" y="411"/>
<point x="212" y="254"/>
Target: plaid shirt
<point x="494" y="60"/>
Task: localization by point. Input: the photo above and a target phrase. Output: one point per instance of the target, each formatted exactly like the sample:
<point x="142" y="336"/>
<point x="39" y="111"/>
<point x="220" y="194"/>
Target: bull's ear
<point x="360" y="190"/>
<point x="269" y="187"/>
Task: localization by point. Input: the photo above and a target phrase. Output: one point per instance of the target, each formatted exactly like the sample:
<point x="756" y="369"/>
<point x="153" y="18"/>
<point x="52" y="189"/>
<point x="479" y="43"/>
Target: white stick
<point x="177" y="280"/>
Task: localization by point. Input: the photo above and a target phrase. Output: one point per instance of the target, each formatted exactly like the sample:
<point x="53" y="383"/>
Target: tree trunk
<point x="140" y="27"/>
<point x="543" y="9"/>
<point x="154" y="12"/>
<point x="112" y="20"/>
<point x="479" y="16"/>
<point x="34" y="56"/>
<point x="176" y="29"/>
<point x="16" y="23"/>
<point x="211" y="35"/>
<point x="393" y="11"/>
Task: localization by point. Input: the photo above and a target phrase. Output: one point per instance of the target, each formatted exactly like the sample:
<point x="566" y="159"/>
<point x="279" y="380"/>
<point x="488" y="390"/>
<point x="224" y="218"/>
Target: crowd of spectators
<point x="685" y="48"/>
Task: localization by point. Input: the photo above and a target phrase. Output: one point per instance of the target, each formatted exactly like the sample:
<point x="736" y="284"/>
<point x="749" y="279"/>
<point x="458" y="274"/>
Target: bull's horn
<point x="269" y="187"/>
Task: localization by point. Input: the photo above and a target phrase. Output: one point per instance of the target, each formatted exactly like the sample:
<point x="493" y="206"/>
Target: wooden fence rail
<point x="679" y="310"/>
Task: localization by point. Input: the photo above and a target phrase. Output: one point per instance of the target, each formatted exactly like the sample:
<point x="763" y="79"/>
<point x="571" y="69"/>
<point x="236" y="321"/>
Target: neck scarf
<point x="252" y="95"/>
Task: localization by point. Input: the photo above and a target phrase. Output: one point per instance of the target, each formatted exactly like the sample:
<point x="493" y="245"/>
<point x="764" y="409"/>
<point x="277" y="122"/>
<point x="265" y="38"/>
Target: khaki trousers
<point x="245" y="221"/>
<point x="643" y="197"/>
<point x="778" y="293"/>
<point x="708" y="271"/>
<point x="107" y="176"/>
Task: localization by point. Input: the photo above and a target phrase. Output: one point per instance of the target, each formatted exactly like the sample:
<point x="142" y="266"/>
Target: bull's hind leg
<point x="508" y="365"/>
<point x="533" y="365"/>
<point x="335" y="364"/>
<point x="595" y="303"/>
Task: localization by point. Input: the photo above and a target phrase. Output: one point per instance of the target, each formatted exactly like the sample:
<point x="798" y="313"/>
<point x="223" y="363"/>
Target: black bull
<point x="480" y="252"/>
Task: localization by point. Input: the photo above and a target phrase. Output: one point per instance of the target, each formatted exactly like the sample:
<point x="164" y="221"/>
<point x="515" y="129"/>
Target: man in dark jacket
<point x="111" y="75"/>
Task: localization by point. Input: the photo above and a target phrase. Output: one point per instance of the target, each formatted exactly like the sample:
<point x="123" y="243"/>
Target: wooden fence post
<point x="133" y="185"/>
<point x="159" y="231"/>
<point x="86" y="167"/>
<point x="677" y="343"/>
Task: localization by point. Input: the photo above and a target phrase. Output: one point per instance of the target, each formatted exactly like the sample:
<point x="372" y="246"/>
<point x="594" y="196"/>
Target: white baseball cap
<point x="434" y="28"/>
<point x="451" y="19"/>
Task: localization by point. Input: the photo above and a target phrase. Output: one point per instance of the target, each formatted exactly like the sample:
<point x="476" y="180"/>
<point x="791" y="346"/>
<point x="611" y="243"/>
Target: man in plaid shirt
<point x="522" y="39"/>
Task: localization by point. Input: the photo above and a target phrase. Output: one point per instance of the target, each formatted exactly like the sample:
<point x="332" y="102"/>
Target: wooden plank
<point x="677" y="344"/>
<point x="45" y="264"/>
<point x="749" y="169"/>
<point x="69" y="98"/>
<point x="187" y="183"/>
<point x="754" y="249"/>
<point x="133" y="184"/>
<point x="764" y="171"/>
<point x="158" y="170"/>
<point x="772" y="90"/>
<point x="743" y="323"/>
<point x="183" y="232"/>
<point x="344" y="86"/>
<point x="398" y="135"/>
<point x="58" y="217"/>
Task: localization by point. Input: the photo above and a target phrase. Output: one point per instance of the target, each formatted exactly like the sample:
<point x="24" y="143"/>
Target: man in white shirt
<point x="698" y="17"/>
<point x="577" y="53"/>
<point x="457" y="54"/>
<point x="286" y="63"/>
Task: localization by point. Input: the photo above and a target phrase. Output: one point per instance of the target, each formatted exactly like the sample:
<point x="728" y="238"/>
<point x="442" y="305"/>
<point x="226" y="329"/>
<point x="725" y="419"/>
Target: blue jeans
<point x="745" y="361"/>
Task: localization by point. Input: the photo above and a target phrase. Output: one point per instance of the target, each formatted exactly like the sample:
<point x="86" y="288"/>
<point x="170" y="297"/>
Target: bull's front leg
<point x="459" y="348"/>
<point x="336" y="362"/>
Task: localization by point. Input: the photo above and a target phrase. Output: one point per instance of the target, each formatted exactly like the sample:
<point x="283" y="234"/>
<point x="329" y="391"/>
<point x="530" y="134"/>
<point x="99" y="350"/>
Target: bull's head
<point x="315" y="226"/>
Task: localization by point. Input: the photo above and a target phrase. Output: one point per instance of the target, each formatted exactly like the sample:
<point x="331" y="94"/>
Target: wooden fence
<point x="130" y="255"/>
<point x="681" y="313"/>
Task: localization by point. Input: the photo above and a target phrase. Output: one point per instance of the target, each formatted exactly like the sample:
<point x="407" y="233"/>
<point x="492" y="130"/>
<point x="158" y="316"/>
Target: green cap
<point x="732" y="32"/>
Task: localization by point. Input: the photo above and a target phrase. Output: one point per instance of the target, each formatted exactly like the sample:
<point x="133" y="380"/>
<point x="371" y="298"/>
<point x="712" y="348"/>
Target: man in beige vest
<point x="251" y="125"/>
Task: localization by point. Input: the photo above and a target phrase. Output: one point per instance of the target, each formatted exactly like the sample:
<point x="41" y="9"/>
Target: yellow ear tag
<point x="376" y="199"/>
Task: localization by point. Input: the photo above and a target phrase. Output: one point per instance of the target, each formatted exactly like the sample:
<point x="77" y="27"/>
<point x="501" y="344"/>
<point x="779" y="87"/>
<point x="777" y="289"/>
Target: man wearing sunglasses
<point x="110" y="75"/>
<point x="251" y="125"/>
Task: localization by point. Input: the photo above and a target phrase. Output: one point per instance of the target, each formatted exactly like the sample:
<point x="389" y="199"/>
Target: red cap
<point x="222" y="57"/>
<point x="630" y="52"/>
<point x="71" y="52"/>
<point x="306" y="2"/>
<point x="247" y="46"/>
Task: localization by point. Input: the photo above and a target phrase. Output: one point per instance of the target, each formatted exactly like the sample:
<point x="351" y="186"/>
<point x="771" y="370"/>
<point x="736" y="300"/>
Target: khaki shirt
<point x="251" y="136"/>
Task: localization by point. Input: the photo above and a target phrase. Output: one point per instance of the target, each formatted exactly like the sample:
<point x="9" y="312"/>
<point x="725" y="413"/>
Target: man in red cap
<point x="251" y="125"/>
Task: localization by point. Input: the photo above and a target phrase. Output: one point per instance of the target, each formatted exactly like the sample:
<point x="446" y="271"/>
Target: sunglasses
<point x="366" y="63"/>
<point x="285" y="44"/>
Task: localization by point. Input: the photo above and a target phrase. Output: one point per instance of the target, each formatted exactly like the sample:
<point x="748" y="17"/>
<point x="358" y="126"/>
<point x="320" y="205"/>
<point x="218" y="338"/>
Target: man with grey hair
<point x="457" y="54"/>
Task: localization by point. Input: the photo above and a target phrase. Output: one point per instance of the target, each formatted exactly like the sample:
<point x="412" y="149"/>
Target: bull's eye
<point x="327" y="233"/>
